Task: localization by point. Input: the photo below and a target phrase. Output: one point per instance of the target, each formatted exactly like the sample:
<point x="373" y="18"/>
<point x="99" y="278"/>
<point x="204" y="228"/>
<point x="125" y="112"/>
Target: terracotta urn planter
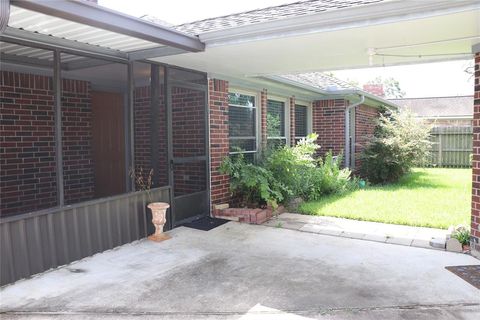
<point x="159" y="211"/>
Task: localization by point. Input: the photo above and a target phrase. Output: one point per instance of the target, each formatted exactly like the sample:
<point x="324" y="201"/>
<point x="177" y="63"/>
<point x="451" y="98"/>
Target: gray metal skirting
<point x="33" y="243"/>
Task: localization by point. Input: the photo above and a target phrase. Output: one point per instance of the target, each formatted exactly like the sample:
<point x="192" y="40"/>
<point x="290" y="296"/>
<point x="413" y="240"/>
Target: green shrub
<point x="400" y="142"/>
<point x="328" y="178"/>
<point x="253" y="185"/>
<point x="291" y="165"/>
<point x="287" y="172"/>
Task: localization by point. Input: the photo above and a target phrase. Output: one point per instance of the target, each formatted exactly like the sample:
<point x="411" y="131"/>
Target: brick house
<point x="454" y="111"/>
<point x="88" y="93"/>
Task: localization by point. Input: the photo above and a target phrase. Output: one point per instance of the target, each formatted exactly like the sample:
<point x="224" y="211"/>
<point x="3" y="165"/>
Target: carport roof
<point x="306" y="36"/>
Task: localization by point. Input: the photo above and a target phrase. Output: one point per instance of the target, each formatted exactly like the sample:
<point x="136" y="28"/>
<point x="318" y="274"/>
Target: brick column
<point x="475" y="222"/>
<point x="219" y="144"/>
<point x="292" y="121"/>
<point x="329" y="123"/>
<point x="263" y="118"/>
<point x="365" y="123"/>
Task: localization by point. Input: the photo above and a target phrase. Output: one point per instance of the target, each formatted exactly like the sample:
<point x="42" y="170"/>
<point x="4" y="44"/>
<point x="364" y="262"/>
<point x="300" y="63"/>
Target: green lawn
<point x="426" y="197"/>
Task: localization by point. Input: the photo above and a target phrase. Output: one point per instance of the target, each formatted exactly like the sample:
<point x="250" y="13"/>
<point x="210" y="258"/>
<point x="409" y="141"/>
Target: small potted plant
<point x="462" y="234"/>
<point x="159" y="209"/>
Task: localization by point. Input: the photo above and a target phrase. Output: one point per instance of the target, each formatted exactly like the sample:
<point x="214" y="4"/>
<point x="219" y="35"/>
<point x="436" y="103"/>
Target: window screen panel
<point x="300" y="121"/>
<point x="275" y="118"/>
<point x="239" y="99"/>
<point x="241" y="121"/>
<point x="276" y="143"/>
<point x="238" y="145"/>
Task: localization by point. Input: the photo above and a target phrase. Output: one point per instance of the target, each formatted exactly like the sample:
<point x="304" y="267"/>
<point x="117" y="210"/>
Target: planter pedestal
<point x="159" y="210"/>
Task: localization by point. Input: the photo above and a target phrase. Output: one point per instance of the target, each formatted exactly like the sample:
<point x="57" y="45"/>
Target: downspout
<point x="347" y="129"/>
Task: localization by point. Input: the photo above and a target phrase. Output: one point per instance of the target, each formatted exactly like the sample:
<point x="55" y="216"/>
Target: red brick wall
<point x="365" y="122"/>
<point x="27" y="138"/>
<point x="188" y="122"/>
<point x="142" y="138"/>
<point x="219" y="144"/>
<point x="27" y="173"/>
<point x="77" y="141"/>
<point x="292" y="120"/>
<point x="475" y="222"/>
<point x="329" y="123"/>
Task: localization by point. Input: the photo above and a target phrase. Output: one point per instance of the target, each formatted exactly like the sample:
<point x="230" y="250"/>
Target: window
<point x="275" y="123"/>
<point x="301" y="124"/>
<point x="242" y="119"/>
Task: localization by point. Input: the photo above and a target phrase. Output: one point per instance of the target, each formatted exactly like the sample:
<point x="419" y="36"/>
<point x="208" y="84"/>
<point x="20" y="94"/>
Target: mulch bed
<point x="471" y="273"/>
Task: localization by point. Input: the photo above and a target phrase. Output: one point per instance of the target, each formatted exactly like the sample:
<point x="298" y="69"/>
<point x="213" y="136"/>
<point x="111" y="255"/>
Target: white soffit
<point x="414" y="38"/>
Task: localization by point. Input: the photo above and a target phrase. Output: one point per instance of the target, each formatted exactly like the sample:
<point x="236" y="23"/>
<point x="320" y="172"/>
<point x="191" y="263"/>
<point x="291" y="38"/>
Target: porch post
<point x="154" y="123"/>
<point x="57" y="91"/>
<point x="131" y="127"/>
<point x="292" y="121"/>
<point x="475" y="220"/>
<point x="168" y="106"/>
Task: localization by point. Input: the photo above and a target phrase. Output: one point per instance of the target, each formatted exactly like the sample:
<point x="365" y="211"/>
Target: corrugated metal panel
<point x="18" y="50"/>
<point x="36" y="242"/>
<point x="56" y="27"/>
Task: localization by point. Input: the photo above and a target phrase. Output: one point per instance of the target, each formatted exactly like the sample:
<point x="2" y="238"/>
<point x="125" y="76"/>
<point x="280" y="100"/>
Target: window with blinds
<point x="301" y="124"/>
<point x="242" y="119"/>
<point x="275" y="123"/>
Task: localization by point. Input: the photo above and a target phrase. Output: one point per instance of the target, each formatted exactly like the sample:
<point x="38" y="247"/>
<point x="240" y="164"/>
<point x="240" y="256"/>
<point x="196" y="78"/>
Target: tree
<point x="391" y="87"/>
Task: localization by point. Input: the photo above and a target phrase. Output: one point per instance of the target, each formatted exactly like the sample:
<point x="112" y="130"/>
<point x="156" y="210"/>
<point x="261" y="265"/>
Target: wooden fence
<point x="452" y="147"/>
<point x="34" y="242"/>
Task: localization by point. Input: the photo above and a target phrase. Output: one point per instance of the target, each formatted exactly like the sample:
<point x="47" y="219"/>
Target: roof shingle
<point x="320" y="81"/>
<point x="296" y="9"/>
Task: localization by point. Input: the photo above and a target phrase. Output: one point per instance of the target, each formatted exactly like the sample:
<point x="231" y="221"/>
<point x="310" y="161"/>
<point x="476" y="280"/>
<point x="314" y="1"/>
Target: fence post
<point x="440" y="150"/>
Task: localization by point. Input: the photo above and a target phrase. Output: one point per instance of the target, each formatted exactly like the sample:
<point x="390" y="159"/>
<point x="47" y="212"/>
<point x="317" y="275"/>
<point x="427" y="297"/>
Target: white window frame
<point x="286" y="103"/>
<point x="257" y="107"/>
<point x="309" y="116"/>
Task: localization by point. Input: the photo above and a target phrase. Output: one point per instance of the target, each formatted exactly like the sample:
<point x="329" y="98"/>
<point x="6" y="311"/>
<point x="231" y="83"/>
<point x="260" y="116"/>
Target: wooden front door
<point x="108" y="143"/>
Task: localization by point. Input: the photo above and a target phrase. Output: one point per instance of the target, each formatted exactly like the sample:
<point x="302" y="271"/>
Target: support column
<point x="475" y="220"/>
<point x="219" y="143"/>
<point x="154" y="124"/>
<point x="292" y="121"/>
<point x="57" y="89"/>
<point x="263" y="120"/>
<point x="130" y="128"/>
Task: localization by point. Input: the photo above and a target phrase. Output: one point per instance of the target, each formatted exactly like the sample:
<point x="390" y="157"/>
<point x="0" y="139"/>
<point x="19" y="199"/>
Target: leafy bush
<point x="291" y="165"/>
<point x="462" y="234"/>
<point x="254" y="185"/>
<point x="286" y="172"/>
<point x="328" y="178"/>
<point x="400" y="142"/>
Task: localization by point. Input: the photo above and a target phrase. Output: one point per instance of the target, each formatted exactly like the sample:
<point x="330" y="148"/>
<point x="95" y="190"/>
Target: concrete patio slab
<point x="239" y="271"/>
<point x="366" y="230"/>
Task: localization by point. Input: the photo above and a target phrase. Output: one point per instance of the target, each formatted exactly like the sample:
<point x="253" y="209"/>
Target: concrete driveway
<point x="239" y="271"/>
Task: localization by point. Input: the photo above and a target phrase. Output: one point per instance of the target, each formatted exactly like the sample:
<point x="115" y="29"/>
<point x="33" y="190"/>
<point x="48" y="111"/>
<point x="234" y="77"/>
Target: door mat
<point x="471" y="274"/>
<point x="205" y="223"/>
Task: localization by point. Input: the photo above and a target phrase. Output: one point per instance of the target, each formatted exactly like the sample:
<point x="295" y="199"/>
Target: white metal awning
<point x="60" y="28"/>
<point x="86" y="27"/>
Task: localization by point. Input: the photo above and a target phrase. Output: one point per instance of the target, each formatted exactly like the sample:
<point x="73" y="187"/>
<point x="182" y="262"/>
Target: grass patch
<point x="426" y="197"/>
